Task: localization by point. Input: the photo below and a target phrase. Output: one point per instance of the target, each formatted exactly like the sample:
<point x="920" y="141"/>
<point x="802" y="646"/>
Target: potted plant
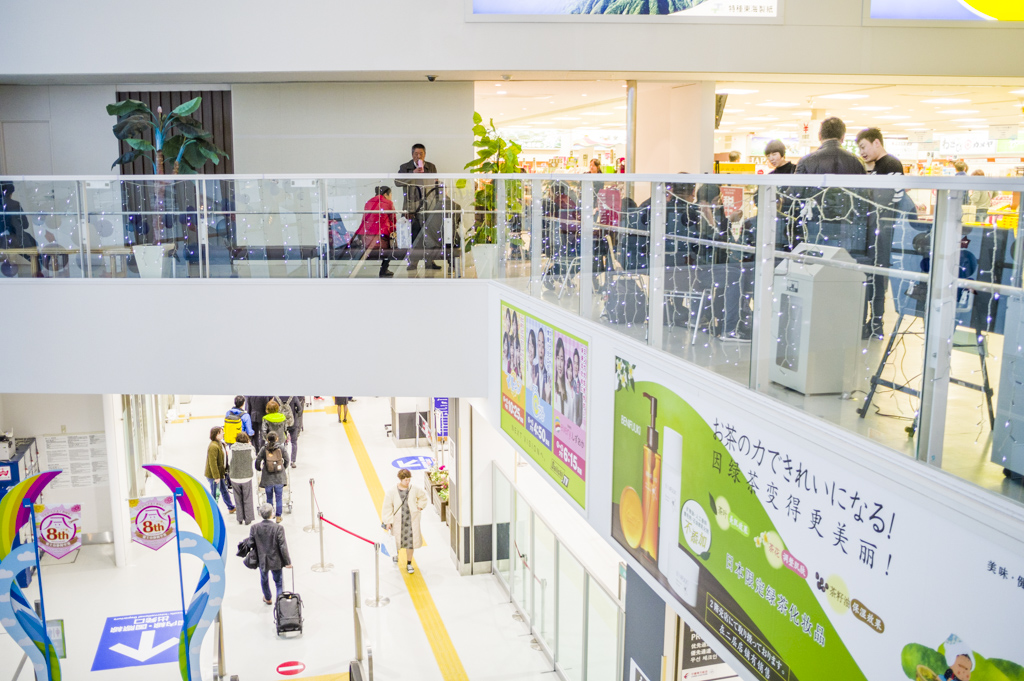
<point x="438" y="478"/>
<point x="177" y="137"/>
<point x="494" y="155"/>
<point x="442" y="507"/>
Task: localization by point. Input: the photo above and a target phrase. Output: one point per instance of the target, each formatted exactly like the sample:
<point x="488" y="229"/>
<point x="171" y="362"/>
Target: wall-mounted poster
<point x="794" y="563"/>
<point x="629" y="8"/>
<point x="544" y="396"/>
<point x="948" y="10"/>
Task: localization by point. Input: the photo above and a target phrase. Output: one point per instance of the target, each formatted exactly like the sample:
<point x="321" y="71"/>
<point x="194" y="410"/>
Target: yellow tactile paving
<point x="433" y="626"/>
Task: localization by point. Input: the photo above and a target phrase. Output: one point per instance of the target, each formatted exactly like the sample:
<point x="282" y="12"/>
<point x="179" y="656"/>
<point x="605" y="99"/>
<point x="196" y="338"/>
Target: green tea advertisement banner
<point x="799" y="567"/>
<point x="544" y="396"/>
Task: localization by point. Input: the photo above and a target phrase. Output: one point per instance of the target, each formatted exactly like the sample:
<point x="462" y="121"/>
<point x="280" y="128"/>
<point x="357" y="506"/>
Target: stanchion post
<point x="311" y="528"/>
<point x="377" y="602"/>
<point x="322" y="566"/>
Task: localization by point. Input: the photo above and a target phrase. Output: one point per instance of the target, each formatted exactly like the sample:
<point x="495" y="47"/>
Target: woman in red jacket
<point x="377" y="226"/>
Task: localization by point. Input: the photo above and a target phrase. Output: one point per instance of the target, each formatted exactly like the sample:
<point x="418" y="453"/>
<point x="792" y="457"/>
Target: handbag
<point x="251" y="560"/>
<point x="247" y="551"/>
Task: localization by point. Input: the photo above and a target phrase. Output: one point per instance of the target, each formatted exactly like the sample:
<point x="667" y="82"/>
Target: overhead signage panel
<point x="588" y="9"/>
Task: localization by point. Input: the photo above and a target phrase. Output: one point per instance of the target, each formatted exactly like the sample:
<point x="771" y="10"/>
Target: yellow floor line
<point x="433" y="626"/>
<point x="325" y="677"/>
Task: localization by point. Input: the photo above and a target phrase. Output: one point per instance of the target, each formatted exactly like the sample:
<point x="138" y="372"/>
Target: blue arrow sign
<point x="414" y="463"/>
<point x="136" y="640"/>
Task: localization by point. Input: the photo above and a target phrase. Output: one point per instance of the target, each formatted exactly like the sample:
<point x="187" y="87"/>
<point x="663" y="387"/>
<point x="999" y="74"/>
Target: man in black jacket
<point x="271" y="551"/>
<point x="413" y="192"/>
<point x="833" y="216"/>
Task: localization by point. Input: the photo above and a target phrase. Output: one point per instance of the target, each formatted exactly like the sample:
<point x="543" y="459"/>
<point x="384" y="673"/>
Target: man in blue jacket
<point x="236" y="421"/>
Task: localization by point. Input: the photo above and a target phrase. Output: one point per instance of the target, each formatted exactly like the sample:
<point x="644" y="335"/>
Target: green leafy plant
<point x="443" y="495"/>
<point x="494" y="155"/>
<point x="177" y="136"/>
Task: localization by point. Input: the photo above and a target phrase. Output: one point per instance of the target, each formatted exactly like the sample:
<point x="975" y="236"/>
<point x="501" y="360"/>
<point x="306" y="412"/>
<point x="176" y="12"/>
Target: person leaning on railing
<point x="412" y="194"/>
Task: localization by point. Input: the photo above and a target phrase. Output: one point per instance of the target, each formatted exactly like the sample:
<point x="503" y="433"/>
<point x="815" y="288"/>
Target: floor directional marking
<point x="433" y="626"/>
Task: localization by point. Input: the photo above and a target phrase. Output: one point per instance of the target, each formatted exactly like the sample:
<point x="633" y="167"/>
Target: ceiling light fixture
<point x="1017" y="92"/>
<point x="959" y="111"/>
<point x="842" y="95"/>
<point x="871" y="108"/>
<point x="892" y="118"/>
<point x="501" y="92"/>
<point x="945" y="100"/>
<point x="566" y="118"/>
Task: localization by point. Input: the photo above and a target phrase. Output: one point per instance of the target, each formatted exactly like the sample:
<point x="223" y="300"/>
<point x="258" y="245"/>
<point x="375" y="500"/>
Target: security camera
<point x="431" y="78"/>
<point x="506" y="76"/>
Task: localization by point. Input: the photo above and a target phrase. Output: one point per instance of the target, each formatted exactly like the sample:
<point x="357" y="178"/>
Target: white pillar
<point x="113" y="426"/>
<point x="676" y="127"/>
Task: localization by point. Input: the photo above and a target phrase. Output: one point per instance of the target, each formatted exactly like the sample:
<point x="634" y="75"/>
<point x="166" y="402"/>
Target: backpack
<point x="275" y="460"/>
<point x="232" y="426"/>
<point x="286" y="409"/>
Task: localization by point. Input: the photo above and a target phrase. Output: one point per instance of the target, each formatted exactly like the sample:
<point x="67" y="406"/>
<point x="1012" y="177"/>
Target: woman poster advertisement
<point x="539" y="346"/>
<point x="512" y="363"/>
<point x="568" y="395"/>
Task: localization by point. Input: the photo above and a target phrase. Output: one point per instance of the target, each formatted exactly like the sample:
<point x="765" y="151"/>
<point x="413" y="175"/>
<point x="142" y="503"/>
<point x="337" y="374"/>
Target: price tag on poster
<point x="152" y="521"/>
<point x="59" y="529"/>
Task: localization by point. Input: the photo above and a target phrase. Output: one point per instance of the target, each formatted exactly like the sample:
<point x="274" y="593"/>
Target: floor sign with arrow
<point x="136" y="640"/>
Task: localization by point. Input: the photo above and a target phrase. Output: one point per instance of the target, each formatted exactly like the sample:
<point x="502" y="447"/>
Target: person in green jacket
<point x="216" y="473"/>
<point x="276" y="421"/>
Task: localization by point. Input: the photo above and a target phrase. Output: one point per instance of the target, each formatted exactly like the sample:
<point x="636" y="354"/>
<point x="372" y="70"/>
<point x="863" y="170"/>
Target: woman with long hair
<point x="561" y="399"/>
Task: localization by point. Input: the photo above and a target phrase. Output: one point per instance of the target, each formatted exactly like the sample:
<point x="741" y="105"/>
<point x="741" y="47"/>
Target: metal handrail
<point x="962" y="182"/>
<point x="561" y="541"/>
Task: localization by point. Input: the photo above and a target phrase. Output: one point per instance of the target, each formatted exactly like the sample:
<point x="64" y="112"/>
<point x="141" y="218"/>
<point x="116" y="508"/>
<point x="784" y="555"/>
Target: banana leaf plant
<point x="494" y="155"/>
<point x="177" y="136"/>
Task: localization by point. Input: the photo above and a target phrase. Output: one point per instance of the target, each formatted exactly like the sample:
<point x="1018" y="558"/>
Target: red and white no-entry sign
<point x="290" y="668"/>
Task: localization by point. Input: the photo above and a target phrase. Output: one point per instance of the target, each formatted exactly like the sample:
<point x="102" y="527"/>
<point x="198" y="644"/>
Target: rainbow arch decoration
<point x="19" y="619"/>
<point x="208" y="546"/>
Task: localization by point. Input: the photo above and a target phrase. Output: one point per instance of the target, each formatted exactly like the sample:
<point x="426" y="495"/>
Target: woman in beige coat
<point x="401" y="515"/>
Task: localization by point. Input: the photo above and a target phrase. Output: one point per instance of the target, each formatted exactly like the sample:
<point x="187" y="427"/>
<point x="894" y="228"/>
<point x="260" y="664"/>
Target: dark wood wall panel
<point x="214" y="114"/>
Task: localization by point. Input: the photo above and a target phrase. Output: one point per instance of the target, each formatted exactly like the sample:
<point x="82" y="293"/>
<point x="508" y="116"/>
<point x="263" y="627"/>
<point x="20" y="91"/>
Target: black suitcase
<point x="288" y="610"/>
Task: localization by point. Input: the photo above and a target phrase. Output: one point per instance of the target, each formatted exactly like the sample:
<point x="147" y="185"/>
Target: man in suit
<point x="413" y="192"/>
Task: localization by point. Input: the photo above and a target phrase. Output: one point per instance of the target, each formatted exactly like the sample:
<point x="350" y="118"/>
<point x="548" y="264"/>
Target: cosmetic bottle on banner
<point x="674" y="563"/>
<point x="652" y="485"/>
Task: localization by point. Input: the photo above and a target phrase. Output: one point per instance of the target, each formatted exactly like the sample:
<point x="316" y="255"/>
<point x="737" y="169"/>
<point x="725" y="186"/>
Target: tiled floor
<point x="475" y="610"/>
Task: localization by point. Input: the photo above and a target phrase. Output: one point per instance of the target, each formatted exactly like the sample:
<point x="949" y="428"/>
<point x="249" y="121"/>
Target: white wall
<point x="319" y="39"/>
<point x="34" y="415"/>
<point x="675" y="127"/>
<point x="56" y="130"/>
<point x="328" y="337"/>
<point x="350" y="127"/>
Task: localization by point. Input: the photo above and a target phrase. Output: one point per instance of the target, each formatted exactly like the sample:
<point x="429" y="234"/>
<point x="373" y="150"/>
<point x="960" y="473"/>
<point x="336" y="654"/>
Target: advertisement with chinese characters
<point x="544" y="396"/>
<point x="948" y="10"/>
<point x="797" y="565"/>
<point x="667" y="8"/>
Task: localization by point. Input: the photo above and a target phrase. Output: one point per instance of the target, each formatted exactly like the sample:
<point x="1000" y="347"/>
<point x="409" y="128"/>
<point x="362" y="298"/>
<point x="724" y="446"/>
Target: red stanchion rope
<point x="344" y="530"/>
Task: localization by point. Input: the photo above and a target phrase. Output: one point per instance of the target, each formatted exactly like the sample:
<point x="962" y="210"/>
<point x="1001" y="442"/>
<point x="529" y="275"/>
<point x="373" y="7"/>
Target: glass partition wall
<point x="574" y="618"/>
<point x="889" y="306"/>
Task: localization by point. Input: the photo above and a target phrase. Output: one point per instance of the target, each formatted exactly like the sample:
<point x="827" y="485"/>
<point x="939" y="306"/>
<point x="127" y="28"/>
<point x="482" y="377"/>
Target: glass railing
<point x="574" y="618"/>
<point x="826" y="293"/>
<point x="818" y="291"/>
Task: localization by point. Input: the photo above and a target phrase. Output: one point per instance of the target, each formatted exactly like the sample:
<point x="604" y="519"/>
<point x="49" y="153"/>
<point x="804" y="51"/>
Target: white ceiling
<point x="773" y="106"/>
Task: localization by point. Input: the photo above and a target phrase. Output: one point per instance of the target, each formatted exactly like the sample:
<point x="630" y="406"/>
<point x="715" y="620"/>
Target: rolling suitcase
<point x="288" y="610"/>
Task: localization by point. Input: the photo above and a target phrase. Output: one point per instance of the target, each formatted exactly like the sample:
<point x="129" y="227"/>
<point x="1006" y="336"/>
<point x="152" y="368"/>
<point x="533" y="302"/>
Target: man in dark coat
<point x="257" y="405"/>
<point x="271" y="549"/>
<point x="297" y="403"/>
<point x="833" y="216"/>
<point x="413" y="192"/>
